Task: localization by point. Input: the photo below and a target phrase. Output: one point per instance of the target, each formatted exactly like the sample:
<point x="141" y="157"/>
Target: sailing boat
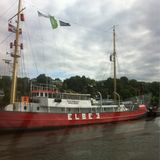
<point x="47" y="108"/>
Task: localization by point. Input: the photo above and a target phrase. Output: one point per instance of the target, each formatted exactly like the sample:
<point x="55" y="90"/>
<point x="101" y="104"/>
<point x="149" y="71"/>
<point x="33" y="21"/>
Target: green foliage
<point x="79" y="84"/>
<point x="5" y="85"/>
<point x="42" y="78"/>
<point x="23" y="86"/>
<point x="125" y="87"/>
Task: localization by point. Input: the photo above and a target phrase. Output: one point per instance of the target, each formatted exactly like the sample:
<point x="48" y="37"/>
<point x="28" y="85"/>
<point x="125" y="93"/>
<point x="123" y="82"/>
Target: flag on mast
<point x="11" y="28"/>
<point x="40" y="14"/>
<point x="54" y="22"/>
<point x="64" y="23"/>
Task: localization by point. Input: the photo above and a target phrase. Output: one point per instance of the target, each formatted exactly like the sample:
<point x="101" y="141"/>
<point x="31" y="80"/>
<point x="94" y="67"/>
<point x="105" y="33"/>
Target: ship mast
<point x="114" y="64"/>
<point x="15" y="56"/>
<point x="115" y="94"/>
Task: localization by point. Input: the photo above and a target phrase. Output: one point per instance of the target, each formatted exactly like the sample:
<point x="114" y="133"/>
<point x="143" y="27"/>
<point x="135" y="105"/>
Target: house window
<point x="25" y="107"/>
<point x="37" y="108"/>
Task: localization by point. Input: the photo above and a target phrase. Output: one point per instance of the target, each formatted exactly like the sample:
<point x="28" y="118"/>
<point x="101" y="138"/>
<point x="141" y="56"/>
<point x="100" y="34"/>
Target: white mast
<point x="115" y="94"/>
<point x="114" y="62"/>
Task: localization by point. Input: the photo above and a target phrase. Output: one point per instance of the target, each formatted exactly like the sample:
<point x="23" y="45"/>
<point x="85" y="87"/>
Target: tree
<point x="42" y="78"/>
<point x="79" y="84"/>
<point x="124" y="80"/>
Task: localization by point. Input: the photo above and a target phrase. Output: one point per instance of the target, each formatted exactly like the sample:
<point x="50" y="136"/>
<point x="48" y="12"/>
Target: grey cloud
<point x="82" y="48"/>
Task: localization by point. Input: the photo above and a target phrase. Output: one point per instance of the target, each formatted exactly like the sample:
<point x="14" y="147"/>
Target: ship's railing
<point x="42" y="87"/>
<point x="75" y="96"/>
<point x="56" y="95"/>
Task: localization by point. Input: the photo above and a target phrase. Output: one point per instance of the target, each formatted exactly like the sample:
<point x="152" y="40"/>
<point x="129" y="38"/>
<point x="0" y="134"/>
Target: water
<point x="130" y="140"/>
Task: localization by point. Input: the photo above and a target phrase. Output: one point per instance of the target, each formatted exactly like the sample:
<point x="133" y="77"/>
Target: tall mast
<point x="114" y="63"/>
<point x="15" y="58"/>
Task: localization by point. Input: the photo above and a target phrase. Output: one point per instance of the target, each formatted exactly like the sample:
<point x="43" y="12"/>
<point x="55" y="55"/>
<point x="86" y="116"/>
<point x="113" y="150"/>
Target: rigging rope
<point x="7" y="10"/>
<point x="28" y="37"/>
<point x="42" y="40"/>
<point x="5" y="38"/>
<point x="75" y="23"/>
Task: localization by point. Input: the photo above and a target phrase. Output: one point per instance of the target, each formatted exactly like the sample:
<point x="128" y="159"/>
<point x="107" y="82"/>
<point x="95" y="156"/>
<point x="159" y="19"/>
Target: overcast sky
<point x="85" y="46"/>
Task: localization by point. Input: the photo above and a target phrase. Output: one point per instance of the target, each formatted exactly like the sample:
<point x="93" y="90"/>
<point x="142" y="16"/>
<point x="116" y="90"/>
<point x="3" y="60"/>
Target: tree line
<point x="80" y="84"/>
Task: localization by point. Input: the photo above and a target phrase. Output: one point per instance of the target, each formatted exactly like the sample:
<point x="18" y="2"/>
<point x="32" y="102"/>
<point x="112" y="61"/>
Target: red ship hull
<point x="33" y="120"/>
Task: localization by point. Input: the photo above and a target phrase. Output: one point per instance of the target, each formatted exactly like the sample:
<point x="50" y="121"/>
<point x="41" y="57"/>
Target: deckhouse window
<point x="50" y="95"/>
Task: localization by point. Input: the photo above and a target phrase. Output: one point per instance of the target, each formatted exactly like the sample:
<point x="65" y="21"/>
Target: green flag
<point x="53" y="21"/>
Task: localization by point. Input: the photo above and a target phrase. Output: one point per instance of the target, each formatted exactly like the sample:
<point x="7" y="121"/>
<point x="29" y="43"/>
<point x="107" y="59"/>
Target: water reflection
<point x="135" y="140"/>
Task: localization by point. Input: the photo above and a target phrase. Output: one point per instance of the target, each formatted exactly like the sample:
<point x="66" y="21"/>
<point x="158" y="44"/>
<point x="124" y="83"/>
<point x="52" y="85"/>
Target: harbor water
<point x="129" y="140"/>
